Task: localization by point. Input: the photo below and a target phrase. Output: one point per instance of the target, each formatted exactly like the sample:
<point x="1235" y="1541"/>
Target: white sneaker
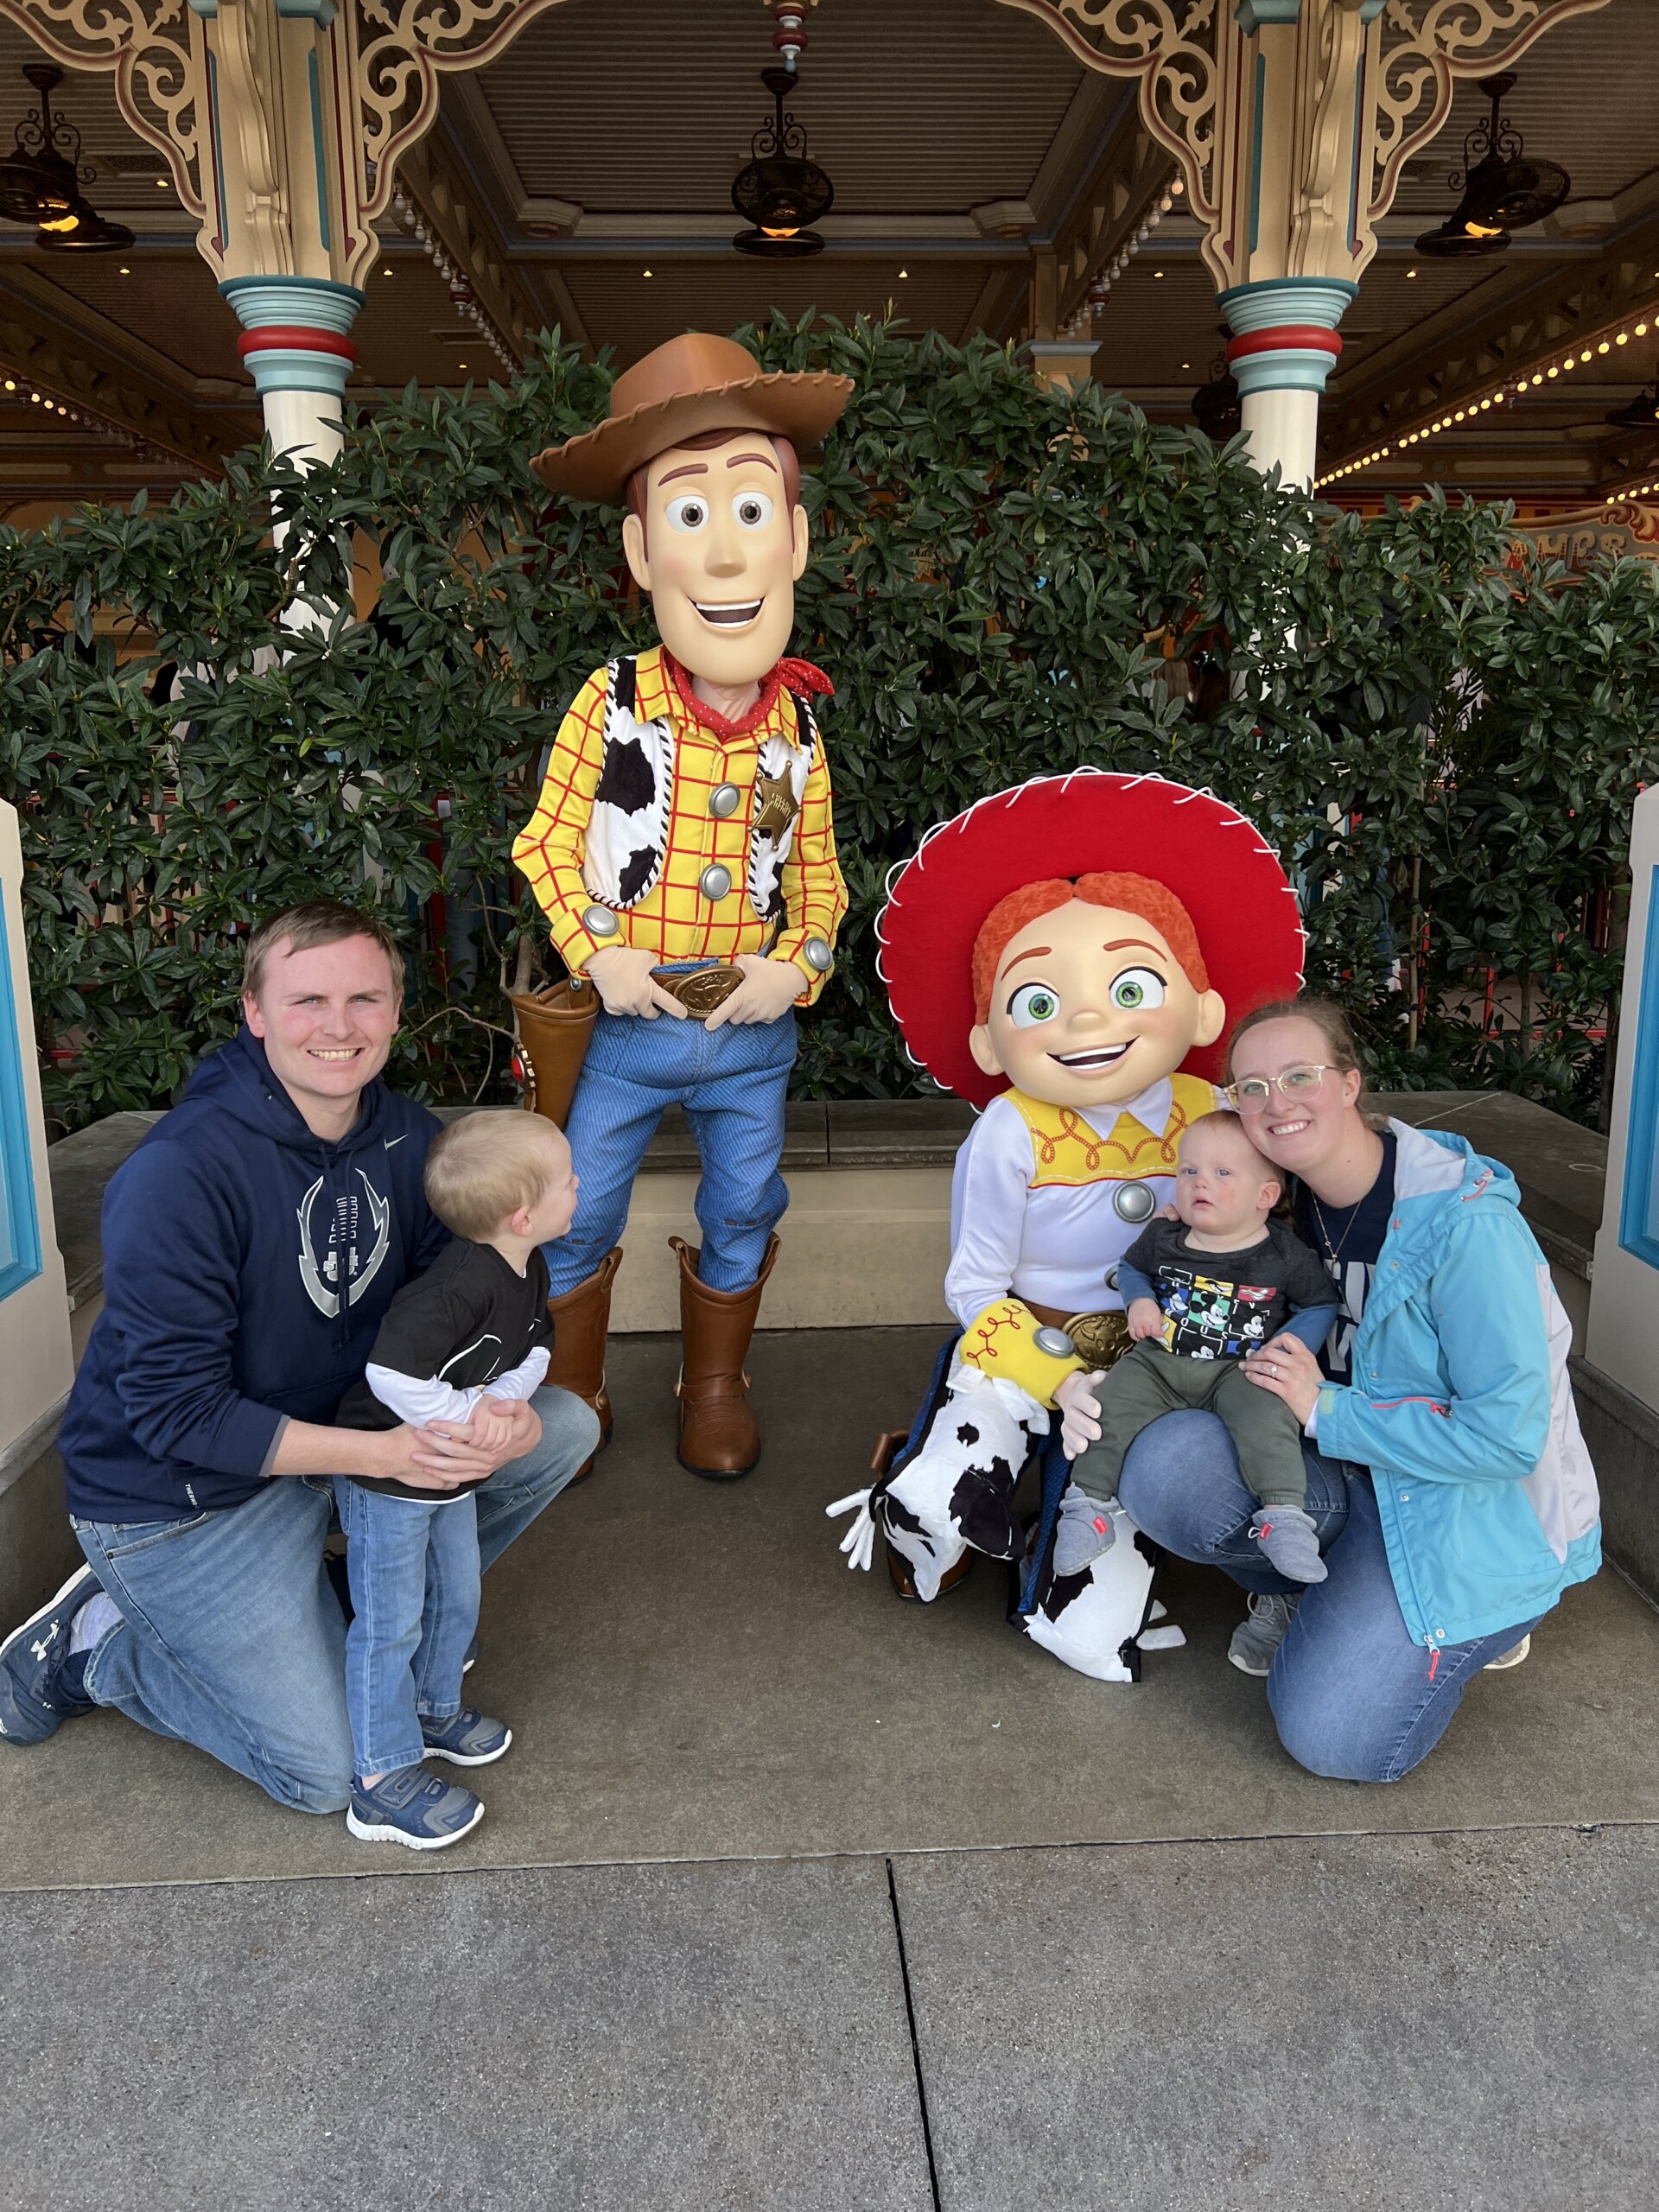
<point x="1512" y="1657"/>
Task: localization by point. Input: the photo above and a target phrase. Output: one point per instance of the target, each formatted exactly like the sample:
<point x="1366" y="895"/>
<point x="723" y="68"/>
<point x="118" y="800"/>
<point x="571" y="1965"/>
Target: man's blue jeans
<point x="1352" y="1696"/>
<point x="231" y="1636"/>
<point x="732" y="1084"/>
<point x="413" y="1569"/>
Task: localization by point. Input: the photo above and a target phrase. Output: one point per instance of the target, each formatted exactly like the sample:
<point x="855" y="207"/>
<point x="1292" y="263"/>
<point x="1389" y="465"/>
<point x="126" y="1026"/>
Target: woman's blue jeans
<point x="1352" y="1696"/>
<point x="231" y="1636"/>
<point x="732" y="1084"/>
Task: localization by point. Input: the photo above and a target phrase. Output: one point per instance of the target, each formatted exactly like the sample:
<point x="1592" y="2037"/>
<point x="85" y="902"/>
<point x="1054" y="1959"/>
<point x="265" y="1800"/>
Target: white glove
<point x="766" y="992"/>
<point x="1079" y="1411"/>
<point x="859" y="1542"/>
<point x="621" y="976"/>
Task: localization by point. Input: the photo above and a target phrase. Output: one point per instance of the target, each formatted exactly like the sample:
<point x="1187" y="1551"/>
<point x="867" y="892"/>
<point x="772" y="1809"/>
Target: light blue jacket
<point x="1459" y="1403"/>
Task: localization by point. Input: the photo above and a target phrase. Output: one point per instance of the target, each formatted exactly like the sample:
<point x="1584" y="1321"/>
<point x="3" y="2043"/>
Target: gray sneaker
<point x="1260" y="1632"/>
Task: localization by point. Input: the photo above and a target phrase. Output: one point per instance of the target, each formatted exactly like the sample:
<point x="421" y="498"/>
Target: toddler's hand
<point x="1145" y="1319"/>
<point x="490" y="1429"/>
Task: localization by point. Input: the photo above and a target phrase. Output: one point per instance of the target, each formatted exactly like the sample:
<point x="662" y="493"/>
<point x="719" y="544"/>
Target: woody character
<point x="684" y="853"/>
<point x="1067" y="956"/>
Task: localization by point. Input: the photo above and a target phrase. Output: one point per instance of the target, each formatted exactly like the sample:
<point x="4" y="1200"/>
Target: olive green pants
<point x="1149" y="1381"/>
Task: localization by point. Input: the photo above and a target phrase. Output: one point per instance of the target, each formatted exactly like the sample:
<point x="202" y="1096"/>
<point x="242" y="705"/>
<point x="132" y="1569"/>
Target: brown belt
<point x="699" y="990"/>
<point x="1101" y="1339"/>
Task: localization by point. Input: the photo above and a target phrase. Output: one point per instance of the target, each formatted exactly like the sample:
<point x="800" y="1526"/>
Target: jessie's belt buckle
<point x="699" y="990"/>
<point x="1100" y="1339"/>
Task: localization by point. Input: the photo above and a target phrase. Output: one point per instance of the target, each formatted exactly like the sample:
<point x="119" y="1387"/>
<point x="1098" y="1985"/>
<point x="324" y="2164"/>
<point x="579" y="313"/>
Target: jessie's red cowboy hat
<point x="694" y="383"/>
<point x="1215" y="861"/>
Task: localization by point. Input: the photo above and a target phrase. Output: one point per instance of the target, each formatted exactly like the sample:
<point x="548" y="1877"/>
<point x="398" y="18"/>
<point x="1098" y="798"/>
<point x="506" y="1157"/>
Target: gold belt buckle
<point x="1100" y="1339"/>
<point x="699" y="990"/>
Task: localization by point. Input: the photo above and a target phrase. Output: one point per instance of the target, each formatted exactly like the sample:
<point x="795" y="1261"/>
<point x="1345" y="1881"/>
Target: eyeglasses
<point x="1252" y="1094"/>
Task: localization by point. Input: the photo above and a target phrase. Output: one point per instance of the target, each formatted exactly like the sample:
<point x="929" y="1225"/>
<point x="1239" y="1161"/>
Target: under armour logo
<point x="43" y="1644"/>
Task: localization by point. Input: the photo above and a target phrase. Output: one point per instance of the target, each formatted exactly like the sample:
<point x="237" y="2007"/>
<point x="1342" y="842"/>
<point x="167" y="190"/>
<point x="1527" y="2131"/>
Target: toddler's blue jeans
<point x="414" y="1573"/>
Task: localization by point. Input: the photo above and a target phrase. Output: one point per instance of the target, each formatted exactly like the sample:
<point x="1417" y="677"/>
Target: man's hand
<point x="452" y="1448"/>
<point x="1079" y="1411"/>
<point x="767" y="991"/>
<point x="1145" y="1318"/>
<point x="621" y="976"/>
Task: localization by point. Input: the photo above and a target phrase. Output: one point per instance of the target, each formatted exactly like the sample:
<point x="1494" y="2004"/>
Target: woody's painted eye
<point x="1031" y="1004"/>
<point x="752" y="510"/>
<point x="1137" y="989"/>
<point x="689" y="512"/>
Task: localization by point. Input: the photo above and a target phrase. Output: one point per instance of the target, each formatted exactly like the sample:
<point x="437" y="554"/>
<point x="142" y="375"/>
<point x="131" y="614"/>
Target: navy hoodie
<point x="227" y="1238"/>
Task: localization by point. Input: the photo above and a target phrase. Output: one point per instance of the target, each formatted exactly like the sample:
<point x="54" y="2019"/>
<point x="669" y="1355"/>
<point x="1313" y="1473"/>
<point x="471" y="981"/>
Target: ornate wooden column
<point x="283" y="122"/>
<point x="1290" y="121"/>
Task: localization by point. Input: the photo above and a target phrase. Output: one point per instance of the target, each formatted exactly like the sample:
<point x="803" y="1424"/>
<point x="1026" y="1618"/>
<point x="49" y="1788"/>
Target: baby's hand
<point x="1145" y="1318"/>
<point x="490" y="1430"/>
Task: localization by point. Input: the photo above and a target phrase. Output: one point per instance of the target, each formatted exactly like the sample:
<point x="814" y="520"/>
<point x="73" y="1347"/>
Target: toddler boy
<point x="472" y="1330"/>
<point x="1201" y="1292"/>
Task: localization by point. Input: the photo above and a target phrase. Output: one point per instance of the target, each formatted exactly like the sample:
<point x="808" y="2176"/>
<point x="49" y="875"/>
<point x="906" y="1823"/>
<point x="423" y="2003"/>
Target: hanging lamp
<point x="41" y="181"/>
<point x="780" y="193"/>
<point x="1503" y="190"/>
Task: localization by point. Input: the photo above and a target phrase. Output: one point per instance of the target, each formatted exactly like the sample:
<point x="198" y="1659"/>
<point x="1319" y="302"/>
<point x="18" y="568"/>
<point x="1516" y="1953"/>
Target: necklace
<point x="1333" y="1252"/>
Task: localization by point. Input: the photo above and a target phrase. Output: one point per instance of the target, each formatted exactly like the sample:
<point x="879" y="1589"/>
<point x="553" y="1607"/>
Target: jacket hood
<point x="1438" y="1164"/>
<point x="238" y="1080"/>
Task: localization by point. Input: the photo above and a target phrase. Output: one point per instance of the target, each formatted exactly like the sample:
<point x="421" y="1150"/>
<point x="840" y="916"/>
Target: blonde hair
<point x="485" y="1166"/>
<point x="1223" y="1115"/>
<point x="324" y="921"/>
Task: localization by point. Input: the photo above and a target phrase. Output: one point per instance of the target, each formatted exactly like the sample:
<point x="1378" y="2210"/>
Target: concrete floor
<point x="792" y="1895"/>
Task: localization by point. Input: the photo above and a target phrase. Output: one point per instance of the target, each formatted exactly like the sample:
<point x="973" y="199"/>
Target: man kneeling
<point x="252" y="1246"/>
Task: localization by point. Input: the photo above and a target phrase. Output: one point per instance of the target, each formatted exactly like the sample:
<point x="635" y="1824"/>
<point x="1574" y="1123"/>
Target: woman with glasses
<point x="1447" y="1478"/>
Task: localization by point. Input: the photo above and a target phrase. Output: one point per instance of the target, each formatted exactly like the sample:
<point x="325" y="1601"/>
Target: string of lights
<point x="460" y="291"/>
<point x="14" y="385"/>
<point x="1504" y="390"/>
<point x="1099" y="284"/>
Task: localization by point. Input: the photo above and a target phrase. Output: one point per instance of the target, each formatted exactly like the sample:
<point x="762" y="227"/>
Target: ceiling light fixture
<point x="780" y="193"/>
<point x="1502" y="191"/>
<point x="41" y="182"/>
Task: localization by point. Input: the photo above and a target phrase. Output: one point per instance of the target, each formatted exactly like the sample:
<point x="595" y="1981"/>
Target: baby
<point x="474" y="1327"/>
<point x="1201" y="1292"/>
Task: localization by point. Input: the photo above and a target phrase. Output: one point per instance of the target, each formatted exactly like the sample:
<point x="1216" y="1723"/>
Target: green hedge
<point x="1443" y="736"/>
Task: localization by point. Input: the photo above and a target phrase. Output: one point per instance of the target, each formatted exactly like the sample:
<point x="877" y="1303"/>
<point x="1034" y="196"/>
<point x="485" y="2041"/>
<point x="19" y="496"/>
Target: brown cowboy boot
<point x="718" y="1437"/>
<point x="580" y="1319"/>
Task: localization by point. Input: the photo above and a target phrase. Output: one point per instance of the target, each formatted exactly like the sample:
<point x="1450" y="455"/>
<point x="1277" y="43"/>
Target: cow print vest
<point x="626" y="842"/>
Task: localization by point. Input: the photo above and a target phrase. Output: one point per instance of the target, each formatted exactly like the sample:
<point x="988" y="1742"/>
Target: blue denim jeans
<point x="231" y="1636"/>
<point x="413" y="1569"/>
<point x="1351" y="1695"/>
<point x="732" y="1082"/>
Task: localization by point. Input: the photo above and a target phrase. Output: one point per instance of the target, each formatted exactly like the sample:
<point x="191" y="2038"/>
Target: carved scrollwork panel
<point x="1176" y="48"/>
<point x="156" y="51"/>
<point x="1422" y="47"/>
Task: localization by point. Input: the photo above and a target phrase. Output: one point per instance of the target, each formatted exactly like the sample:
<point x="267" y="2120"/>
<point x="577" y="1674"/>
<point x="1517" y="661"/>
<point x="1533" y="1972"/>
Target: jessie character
<point x="684" y="853"/>
<point x="1067" y="956"/>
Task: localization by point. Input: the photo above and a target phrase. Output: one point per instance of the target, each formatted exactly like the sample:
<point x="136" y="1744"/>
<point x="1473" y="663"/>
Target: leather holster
<point x="554" y="1027"/>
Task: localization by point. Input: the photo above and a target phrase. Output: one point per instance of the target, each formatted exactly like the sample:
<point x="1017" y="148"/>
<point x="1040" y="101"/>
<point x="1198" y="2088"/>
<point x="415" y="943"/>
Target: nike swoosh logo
<point x="392" y="1141"/>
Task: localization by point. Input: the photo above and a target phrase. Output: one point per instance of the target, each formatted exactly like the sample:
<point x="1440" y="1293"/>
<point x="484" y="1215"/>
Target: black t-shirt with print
<point x="1347" y="1240"/>
<point x="1221" y="1305"/>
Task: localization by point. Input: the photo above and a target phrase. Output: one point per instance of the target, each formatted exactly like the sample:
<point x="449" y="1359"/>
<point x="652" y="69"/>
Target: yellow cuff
<point x="1001" y="1342"/>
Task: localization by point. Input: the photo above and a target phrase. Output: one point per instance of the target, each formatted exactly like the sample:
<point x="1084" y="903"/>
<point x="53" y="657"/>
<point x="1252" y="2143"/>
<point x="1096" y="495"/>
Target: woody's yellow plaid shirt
<point x="675" y="920"/>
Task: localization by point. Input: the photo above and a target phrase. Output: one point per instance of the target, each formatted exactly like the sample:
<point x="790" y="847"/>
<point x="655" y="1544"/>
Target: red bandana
<point x="788" y="675"/>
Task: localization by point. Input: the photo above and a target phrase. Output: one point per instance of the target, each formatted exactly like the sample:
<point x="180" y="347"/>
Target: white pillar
<point x="1283" y="346"/>
<point x="1624" y="1336"/>
<point x="36" y="1364"/>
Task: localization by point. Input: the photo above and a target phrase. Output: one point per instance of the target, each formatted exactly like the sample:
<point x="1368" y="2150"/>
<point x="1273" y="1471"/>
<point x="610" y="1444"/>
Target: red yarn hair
<point x="1131" y="894"/>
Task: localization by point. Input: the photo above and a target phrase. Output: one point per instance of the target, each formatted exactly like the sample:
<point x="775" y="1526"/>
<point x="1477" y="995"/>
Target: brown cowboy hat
<point x="694" y="383"/>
